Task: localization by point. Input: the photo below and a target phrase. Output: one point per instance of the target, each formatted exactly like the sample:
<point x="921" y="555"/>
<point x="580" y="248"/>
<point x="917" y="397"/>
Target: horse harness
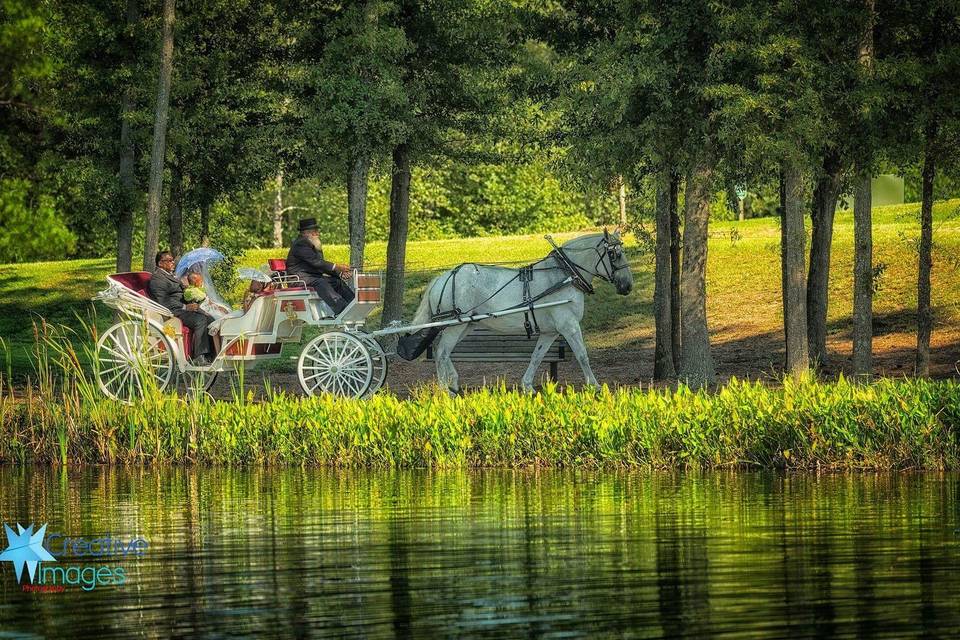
<point x="525" y="274"/>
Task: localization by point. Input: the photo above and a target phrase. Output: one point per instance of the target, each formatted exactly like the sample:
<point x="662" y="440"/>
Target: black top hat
<point x="308" y="223"/>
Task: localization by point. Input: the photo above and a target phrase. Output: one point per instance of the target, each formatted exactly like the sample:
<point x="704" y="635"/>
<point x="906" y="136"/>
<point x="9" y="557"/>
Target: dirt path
<point x="752" y="357"/>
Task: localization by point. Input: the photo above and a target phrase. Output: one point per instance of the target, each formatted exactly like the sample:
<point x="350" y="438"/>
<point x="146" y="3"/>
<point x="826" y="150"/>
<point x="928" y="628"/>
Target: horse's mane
<point x="588" y="241"/>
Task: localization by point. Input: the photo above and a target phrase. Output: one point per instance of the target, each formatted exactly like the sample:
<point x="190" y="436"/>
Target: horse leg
<point x="543" y="345"/>
<point x="446" y="373"/>
<point x="573" y="336"/>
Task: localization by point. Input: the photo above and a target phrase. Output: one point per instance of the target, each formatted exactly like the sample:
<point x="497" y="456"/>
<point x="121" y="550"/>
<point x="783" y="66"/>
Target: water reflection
<point x="306" y="552"/>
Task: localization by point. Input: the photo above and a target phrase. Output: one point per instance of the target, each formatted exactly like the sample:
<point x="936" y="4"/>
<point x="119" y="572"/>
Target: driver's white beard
<point x="315" y="241"/>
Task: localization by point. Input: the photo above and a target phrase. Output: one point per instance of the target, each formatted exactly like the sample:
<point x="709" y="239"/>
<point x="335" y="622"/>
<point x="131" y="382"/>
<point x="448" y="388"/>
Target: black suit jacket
<point x="166" y="289"/>
<point x="304" y="260"/>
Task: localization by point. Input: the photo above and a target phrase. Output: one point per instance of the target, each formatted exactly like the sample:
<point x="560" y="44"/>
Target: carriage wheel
<point x="379" y="364"/>
<point x="337" y="363"/>
<point x="198" y="381"/>
<point x="130" y="356"/>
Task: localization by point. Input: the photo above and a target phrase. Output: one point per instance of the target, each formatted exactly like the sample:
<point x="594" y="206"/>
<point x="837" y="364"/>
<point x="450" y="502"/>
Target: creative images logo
<point x="27" y="549"/>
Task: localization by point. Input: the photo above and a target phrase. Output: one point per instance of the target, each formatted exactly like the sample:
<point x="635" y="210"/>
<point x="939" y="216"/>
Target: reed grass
<point x="61" y="418"/>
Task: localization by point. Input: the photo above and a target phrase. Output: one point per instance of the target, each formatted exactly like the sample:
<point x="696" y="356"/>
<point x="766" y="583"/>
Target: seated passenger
<point x="306" y="260"/>
<point x="167" y="290"/>
<point x="196" y="293"/>
<point x="256" y="288"/>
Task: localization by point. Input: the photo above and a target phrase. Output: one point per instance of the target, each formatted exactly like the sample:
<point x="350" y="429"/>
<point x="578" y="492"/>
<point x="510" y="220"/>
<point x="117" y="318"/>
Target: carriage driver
<point x="306" y="260"/>
<point x="167" y="289"/>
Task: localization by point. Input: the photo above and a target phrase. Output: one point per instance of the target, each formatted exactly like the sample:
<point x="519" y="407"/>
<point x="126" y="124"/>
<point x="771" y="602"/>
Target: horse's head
<point x="614" y="262"/>
<point x="607" y="261"/>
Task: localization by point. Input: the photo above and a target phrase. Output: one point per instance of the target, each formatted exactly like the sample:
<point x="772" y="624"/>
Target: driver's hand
<point x="347" y="273"/>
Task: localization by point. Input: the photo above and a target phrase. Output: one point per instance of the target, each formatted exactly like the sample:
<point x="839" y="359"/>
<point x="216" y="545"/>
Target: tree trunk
<point x="924" y="313"/>
<point x="862" y="279"/>
<point x="127" y="184"/>
<point x="205" y="224"/>
<point x="278" y="212"/>
<point x="175" y="211"/>
<point x="397" y="242"/>
<point x="794" y="277"/>
<point x="675" y="270"/>
<point x="782" y="212"/>
<point x="357" y="209"/>
<point x="821" y="214"/>
<point x="622" y="199"/>
<point x="662" y="311"/>
<point x="696" y="364"/>
<point x="863" y="243"/>
<point x="159" y="140"/>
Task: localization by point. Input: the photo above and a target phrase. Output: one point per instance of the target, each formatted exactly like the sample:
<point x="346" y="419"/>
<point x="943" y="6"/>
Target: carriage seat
<point x="278" y="267"/>
<point x="136" y="281"/>
<point x="139" y="282"/>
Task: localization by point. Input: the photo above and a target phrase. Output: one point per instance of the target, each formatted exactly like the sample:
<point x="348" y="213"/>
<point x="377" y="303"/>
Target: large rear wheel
<point x="133" y="356"/>
<point x="335" y="362"/>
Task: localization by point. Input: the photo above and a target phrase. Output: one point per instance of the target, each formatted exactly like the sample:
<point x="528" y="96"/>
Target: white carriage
<point x="149" y="346"/>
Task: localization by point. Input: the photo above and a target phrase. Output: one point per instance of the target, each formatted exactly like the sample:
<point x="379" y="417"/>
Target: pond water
<point x="317" y="552"/>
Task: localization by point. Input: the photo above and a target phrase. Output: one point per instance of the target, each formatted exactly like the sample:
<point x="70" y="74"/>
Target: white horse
<point x="476" y="288"/>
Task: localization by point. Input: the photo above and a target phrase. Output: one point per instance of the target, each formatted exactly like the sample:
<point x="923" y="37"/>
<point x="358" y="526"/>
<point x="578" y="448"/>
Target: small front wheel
<point x="379" y="364"/>
<point x="198" y="382"/>
<point x="335" y="362"/>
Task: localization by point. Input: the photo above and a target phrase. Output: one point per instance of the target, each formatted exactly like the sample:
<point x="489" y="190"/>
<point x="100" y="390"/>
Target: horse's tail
<point x="424" y="312"/>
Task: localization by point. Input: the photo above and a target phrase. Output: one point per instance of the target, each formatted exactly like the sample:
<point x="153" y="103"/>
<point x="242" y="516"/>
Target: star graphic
<point x="25" y="548"/>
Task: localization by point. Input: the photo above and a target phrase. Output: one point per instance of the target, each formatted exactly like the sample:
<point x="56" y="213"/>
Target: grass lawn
<point x="744" y="304"/>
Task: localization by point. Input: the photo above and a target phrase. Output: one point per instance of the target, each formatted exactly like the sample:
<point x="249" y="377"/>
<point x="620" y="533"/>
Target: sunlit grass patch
<point x="743" y="280"/>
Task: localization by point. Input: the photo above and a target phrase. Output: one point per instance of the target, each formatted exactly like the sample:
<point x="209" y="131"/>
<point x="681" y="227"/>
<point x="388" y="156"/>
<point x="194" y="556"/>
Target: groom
<point x="167" y="289"/>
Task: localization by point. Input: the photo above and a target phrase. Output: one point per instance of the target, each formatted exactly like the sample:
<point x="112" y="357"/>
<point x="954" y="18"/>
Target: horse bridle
<point x="612" y="250"/>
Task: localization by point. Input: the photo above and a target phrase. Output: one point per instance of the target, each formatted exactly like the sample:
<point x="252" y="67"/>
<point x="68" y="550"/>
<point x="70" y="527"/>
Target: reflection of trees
<point x="529" y="563"/>
<point x="682" y="568"/>
<point x="332" y="552"/>
<point x="194" y="544"/>
<point x="399" y="565"/>
<point x="819" y="538"/>
<point x="927" y="565"/>
<point x="300" y="557"/>
<point x="864" y="548"/>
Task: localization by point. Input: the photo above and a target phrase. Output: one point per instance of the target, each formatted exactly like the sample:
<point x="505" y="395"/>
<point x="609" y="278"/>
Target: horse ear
<point x="606" y="236"/>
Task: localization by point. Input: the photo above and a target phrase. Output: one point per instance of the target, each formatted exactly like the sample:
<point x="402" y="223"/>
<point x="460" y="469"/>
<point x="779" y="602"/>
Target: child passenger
<point x="256" y="288"/>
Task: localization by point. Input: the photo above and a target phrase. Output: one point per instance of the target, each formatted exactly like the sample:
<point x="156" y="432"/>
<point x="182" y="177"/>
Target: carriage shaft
<point x="465" y="319"/>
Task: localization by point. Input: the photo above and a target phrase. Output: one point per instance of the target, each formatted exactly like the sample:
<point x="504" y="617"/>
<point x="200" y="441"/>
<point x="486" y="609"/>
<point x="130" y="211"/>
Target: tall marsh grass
<point x="62" y="418"/>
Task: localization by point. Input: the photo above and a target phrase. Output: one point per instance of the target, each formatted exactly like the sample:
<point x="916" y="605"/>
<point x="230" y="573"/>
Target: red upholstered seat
<point x="136" y="281"/>
<point x="280" y="266"/>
